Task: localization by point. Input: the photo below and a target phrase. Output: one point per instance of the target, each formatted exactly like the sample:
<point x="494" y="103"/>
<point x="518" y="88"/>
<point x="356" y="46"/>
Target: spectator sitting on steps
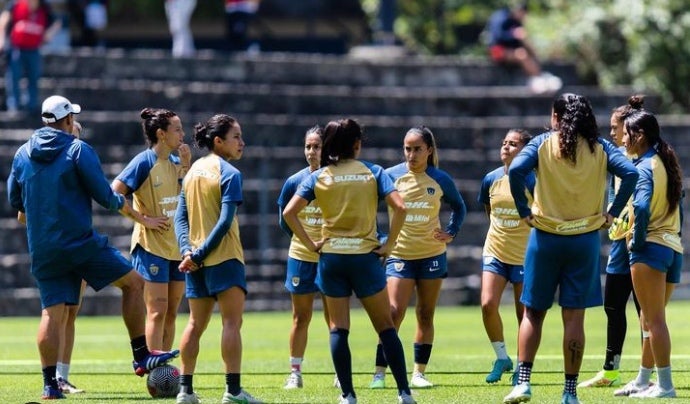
<point x="507" y="40"/>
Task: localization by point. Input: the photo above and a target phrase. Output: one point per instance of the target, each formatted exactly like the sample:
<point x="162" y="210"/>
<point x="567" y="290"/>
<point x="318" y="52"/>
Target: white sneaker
<point x="405" y="398"/>
<point x="241" y="398"/>
<point x="420" y="381"/>
<point x="348" y="399"/>
<point x="184" y="398"/>
<point x="68" y="388"/>
<point x="655" y="392"/>
<point x="521" y="393"/>
<point x="632" y="388"/>
<point x="294" y="381"/>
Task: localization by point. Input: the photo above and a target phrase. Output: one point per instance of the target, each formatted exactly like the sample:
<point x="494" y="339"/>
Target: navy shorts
<point x="341" y="274"/>
<point x="154" y="268"/>
<point x="424" y="268"/>
<point x="301" y="276"/>
<point x="211" y="280"/>
<point x="569" y="264"/>
<point x="513" y="273"/>
<point x="63" y="284"/>
<point x="619" y="262"/>
<point x="661" y="258"/>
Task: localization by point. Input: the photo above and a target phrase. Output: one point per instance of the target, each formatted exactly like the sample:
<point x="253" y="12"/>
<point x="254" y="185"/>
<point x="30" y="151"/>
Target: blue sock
<point x="380" y="356"/>
<point x="395" y="355"/>
<point x="422" y="353"/>
<point x="342" y="359"/>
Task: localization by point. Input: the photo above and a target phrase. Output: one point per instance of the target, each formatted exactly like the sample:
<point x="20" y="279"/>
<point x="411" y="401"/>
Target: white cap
<point x="57" y="107"/>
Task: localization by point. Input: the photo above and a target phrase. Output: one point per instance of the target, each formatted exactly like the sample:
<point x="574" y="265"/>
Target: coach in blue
<point x="571" y="163"/>
<point x="54" y="177"/>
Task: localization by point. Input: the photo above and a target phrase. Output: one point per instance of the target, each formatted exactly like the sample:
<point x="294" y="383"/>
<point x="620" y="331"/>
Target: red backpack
<point x="28" y="27"/>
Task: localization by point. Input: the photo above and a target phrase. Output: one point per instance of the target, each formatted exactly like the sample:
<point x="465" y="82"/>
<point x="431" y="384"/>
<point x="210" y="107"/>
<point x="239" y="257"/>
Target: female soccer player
<point x="302" y="264"/>
<point x="656" y="251"/>
<point x="618" y="286"/>
<point x="348" y="191"/>
<point x="504" y="248"/>
<point x="418" y="260"/>
<point x="562" y="253"/>
<point x="213" y="260"/>
<point x="153" y="179"/>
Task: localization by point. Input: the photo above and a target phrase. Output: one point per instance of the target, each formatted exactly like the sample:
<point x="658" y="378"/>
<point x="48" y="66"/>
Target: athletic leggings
<point x="616" y="294"/>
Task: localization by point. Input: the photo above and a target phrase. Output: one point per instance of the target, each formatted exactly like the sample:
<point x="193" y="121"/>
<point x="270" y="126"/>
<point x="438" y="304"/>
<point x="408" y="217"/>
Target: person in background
<point x="619" y="286"/>
<point x="238" y="17"/>
<point x="179" y="13"/>
<point x="508" y="44"/>
<point x="504" y="249"/>
<point x="152" y="178"/>
<point x="571" y="163"/>
<point x="208" y="235"/>
<point x="348" y="191"/>
<point x="302" y="264"/>
<point x="418" y="261"/>
<point x="25" y="25"/>
<point x="53" y="180"/>
<point x="656" y="250"/>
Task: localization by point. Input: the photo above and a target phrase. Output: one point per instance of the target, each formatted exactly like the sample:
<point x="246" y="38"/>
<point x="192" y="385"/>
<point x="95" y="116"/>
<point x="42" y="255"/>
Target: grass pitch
<point x="459" y="362"/>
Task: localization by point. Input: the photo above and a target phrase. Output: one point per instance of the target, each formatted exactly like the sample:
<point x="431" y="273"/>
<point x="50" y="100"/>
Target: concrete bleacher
<point x="469" y="104"/>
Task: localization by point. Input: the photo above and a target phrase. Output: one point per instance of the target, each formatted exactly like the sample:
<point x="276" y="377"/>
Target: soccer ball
<point x="163" y="381"/>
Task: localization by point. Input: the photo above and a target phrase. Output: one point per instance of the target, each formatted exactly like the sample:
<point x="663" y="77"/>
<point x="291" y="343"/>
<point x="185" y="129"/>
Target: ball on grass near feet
<point x="164" y="381"/>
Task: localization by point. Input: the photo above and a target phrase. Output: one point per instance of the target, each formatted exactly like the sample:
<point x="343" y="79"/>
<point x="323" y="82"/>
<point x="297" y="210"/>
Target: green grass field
<point x="459" y="362"/>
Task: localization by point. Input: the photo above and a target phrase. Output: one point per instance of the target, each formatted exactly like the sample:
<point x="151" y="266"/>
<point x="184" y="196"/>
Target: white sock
<point x="500" y="349"/>
<point x="296" y="364"/>
<point x="664" y="378"/>
<point x="62" y="371"/>
<point x="643" y="376"/>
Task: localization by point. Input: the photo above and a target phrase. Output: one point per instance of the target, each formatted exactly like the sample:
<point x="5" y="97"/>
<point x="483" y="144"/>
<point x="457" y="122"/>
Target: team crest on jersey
<point x="153" y="269"/>
<point x="295" y="281"/>
<point x="399" y="266"/>
<point x="430" y="191"/>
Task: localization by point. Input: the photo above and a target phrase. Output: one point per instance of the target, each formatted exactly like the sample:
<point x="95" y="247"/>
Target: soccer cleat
<point x="378" y="382"/>
<point x="655" y="392"/>
<point x="420" y="381"/>
<point x="348" y="399"/>
<point x="68" y="388"/>
<point x="154" y="360"/>
<point x="184" y="398"/>
<point x="514" y="378"/>
<point x="569" y="399"/>
<point x="632" y="388"/>
<point x="500" y="366"/>
<point x="336" y="382"/>
<point x="605" y="378"/>
<point x="294" y="381"/>
<point x="241" y="398"/>
<point x="521" y="393"/>
<point x="50" y="393"/>
<point x="405" y="398"/>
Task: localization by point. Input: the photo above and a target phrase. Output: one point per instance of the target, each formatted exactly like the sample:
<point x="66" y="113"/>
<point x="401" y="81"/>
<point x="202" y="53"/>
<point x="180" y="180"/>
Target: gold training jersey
<point x="156" y="188"/>
<point x="423" y="194"/>
<point x="506" y="239"/>
<point x="210" y="182"/>
<point x="348" y="194"/>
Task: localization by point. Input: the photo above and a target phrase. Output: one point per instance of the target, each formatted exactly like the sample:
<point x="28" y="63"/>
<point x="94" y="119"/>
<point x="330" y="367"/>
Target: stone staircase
<point x="469" y="104"/>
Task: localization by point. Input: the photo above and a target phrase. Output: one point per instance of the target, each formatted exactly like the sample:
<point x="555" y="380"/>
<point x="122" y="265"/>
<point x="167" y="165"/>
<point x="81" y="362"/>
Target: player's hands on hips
<point x="442" y="236"/>
<point x="608" y="222"/>
<point x="529" y="220"/>
<point x="159" y="223"/>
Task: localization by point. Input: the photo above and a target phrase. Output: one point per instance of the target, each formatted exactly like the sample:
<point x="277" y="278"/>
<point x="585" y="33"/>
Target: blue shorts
<point x="63" y="284"/>
<point x="619" y="262"/>
<point x="154" y="268"/>
<point x="424" y="268"/>
<point x="301" y="276"/>
<point x="661" y="258"/>
<point x="211" y="280"/>
<point x="341" y="274"/>
<point x="513" y="273"/>
<point x="567" y="263"/>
